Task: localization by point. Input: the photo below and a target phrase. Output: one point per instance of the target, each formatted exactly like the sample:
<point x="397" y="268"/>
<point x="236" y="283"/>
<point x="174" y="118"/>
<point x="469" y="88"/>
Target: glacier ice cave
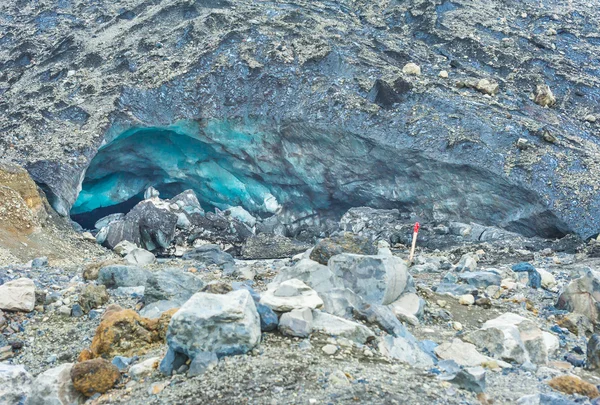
<point x="298" y="170"/>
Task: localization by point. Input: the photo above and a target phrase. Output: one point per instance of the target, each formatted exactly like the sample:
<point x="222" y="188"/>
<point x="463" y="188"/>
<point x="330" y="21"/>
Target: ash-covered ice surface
<point x="213" y="201"/>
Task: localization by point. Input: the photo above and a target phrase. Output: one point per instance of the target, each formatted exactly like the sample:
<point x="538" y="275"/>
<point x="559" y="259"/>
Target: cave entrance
<point x="172" y="160"/>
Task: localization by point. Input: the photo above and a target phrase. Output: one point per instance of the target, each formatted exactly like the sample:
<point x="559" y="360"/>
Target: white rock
<point x="443" y="74"/>
<point x="296" y="323"/>
<point x="140" y="257"/>
<point x="144" y="369"/>
<point x="548" y="280"/>
<point x="242" y="215"/>
<point x="224" y="324"/>
<point x="405" y="350"/>
<point x="411" y="69"/>
<point x="408" y="307"/>
<point x="339" y="378"/>
<point x="124" y="247"/>
<point x="306" y="297"/>
<point x="466" y="299"/>
<point x="151" y="192"/>
<point x="330" y="349"/>
<point x="335" y="326"/>
<point x="15" y="384"/>
<point x="17" y="295"/>
<point x="55" y="387"/>
<point x="464" y="354"/>
<point x="514" y="338"/>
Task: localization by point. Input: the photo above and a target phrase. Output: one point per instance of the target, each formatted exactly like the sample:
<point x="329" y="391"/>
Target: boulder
<point x="513" y="338"/>
<point x="172" y="284"/>
<point x="593" y="352"/>
<point x="17" y="295"/>
<point x="344" y="243"/>
<point x="480" y="279"/>
<point x="15" y="384"/>
<point x="93" y="296"/>
<point x="296" y="323"/>
<point x="268" y="318"/>
<point x="470" y="378"/>
<point x="202" y="362"/>
<point x="124" y="247"/>
<point x="140" y="257"/>
<point x="55" y="387"/>
<point x="271" y="246"/>
<point x="94" y="376"/>
<point x="107" y="220"/>
<point x="405" y="349"/>
<point x="408" y="308"/>
<point x="317" y="276"/>
<point x="115" y="276"/>
<point x="150" y="225"/>
<point x="124" y="332"/>
<point x="582" y="295"/>
<point x="289" y="295"/>
<point x="209" y="254"/>
<point x="377" y="279"/>
<point x="463" y="353"/>
<point x="332" y="325"/>
<point x="341" y="302"/>
<point x="224" y="324"/>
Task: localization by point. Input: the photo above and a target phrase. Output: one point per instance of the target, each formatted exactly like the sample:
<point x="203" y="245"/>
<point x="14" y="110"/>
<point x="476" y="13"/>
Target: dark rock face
<point x="346" y="126"/>
<point x="269" y="246"/>
<point x="342" y="243"/>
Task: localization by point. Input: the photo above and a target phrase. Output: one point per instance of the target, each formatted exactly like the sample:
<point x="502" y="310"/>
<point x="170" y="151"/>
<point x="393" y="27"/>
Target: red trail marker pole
<point x="414" y="242"/>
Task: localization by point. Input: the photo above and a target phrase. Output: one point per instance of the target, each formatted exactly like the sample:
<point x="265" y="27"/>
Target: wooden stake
<point x="414" y="242"/>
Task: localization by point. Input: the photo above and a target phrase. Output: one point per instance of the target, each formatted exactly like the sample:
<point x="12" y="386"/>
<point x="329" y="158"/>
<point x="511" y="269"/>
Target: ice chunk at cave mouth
<point x="302" y="171"/>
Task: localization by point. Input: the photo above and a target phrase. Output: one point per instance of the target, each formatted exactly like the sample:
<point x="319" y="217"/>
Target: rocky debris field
<point x="482" y="315"/>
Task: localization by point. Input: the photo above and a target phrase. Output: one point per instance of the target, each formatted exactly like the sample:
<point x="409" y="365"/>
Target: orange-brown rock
<point x="123" y="332"/>
<point x="570" y="384"/>
<point x="91" y="270"/>
<point x="94" y="376"/>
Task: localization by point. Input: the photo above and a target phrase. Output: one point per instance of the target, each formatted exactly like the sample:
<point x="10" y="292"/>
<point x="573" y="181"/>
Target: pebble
<point x="466" y="299"/>
<point x="330" y="349"/>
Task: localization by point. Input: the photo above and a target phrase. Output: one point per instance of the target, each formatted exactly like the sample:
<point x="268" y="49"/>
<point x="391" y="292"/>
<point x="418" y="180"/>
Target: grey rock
<point x="268" y="318"/>
<point x="408" y="308"/>
<point x="202" y="362"/>
<point x="15" y="384"/>
<point x="224" y="324"/>
<point x="582" y="296"/>
<point x="377" y="279"/>
<point x="115" y="276"/>
<point x="341" y="302"/>
<point x="319" y="277"/>
<point x="39" y="262"/>
<point x="289" y="295"/>
<point x="296" y="323"/>
<point x="149" y="225"/>
<point x="593" y="352"/>
<point x="480" y="279"/>
<point x="332" y="325"/>
<point x="188" y="202"/>
<point x="271" y="246"/>
<point x="343" y="243"/>
<point x="124" y="247"/>
<point x="456" y="290"/>
<point x="143" y="368"/>
<point x="406" y="350"/>
<point x="155" y="309"/>
<point x="471" y="379"/>
<point x="151" y="192"/>
<point x="107" y="220"/>
<point x="209" y="254"/>
<point x="172" y="284"/>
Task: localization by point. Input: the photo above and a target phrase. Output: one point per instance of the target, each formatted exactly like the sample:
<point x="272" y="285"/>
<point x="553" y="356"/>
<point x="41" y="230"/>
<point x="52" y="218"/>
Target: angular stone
<point x="268" y="318"/>
<point x="271" y="246"/>
<point x="480" y="279"/>
<point x="17" y="295"/>
<point x="593" y="352"/>
<point x="224" y="324"/>
<point x="55" y="387"/>
<point x="202" y="362"/>
<point x="377" y="279"/>
<point x="209" y="254"/>
<point x="406" y="350"/>
<point x="140" y="257"/>
<point x="315" y="275"/>
<point x="122" y="276"/>
<point x="513" y="338"/>
<point x="335" y="326"/>
<point x="341" y="302"/>
<point x="343" y="243"/>
<point x="94" y="376"/>
<point x="172" y="284"/>
<point x="144" y="368"/>
<point x="582" y="295"/>
<point x="93" y="296"/>
<point x="464" y="354"/>
<point x="296" y="323"/>
<point x="408" y="308"/>
<point x="15" y="384"/>
<point x="306" y="297"/>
